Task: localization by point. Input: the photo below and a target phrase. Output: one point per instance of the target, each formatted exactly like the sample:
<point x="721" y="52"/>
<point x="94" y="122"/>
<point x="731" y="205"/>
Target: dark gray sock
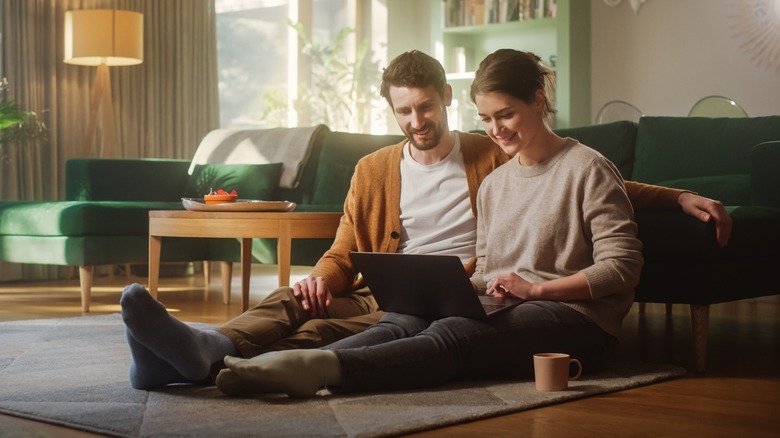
<point x="149" y="371"/>
<point x="190" y="351"/>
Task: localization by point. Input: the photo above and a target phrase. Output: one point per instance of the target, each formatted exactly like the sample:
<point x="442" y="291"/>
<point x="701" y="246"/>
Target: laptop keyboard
<point x="491" y="307"/>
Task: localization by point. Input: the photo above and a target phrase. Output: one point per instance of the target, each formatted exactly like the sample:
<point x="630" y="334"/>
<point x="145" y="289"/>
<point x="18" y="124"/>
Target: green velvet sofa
<point x="104" y="219"/>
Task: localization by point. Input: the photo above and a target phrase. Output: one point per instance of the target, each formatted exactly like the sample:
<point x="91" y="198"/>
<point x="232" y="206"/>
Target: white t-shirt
<point x="436" y="216"/>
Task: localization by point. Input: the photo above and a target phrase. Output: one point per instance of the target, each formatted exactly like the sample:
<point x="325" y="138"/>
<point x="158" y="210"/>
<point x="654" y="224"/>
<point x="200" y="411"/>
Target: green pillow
<point x="251" y="181"/>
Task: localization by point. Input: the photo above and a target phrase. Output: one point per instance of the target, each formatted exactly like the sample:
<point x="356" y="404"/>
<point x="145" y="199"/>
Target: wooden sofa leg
<point x="85" y="280"/>
<point x="700" y="316"/>
<point x="226" y="268"/>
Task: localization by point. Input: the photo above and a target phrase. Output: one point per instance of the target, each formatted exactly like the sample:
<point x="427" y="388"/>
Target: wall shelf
<point x="498" y="28"/>
<point x="564" y="37"/>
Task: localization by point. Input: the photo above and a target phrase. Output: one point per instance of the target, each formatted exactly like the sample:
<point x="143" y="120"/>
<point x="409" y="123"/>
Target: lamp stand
<point x="101" y="102"/>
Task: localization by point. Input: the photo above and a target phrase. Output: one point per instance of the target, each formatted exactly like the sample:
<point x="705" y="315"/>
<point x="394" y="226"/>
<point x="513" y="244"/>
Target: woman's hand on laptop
<point x="510" y="285"/>
<point x="313" y="294"/>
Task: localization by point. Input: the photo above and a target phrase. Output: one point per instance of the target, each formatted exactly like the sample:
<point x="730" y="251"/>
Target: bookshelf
<point x="556" y="30"/>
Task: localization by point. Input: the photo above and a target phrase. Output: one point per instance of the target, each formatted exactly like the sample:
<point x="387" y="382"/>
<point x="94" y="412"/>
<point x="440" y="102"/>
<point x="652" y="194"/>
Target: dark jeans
<point x="408" y="352"/>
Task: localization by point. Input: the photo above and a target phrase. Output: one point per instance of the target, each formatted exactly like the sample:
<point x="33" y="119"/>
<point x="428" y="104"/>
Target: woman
<point x="554" y="228"/>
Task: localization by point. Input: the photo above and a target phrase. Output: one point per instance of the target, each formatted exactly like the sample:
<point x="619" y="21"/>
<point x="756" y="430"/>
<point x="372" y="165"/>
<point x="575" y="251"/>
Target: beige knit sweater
<point x="566" y="215"/>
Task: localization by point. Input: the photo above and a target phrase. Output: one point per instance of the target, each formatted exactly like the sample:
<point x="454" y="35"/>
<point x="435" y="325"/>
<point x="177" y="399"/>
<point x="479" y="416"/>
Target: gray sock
<point x="190" y="351"/>
<point x="297" y="373"/>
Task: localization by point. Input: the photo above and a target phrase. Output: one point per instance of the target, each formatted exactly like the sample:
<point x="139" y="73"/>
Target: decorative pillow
<point x="251" y="181"/>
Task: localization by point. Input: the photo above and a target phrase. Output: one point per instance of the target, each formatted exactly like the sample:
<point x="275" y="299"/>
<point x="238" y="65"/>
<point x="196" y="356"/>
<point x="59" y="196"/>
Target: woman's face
<point x="509" y="121"/>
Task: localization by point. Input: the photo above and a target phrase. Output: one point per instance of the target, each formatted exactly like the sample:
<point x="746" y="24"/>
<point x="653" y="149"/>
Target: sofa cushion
<point x="613" y="140"/>
<point x="251" y="181"/>
<point x="728" y="189"/>
<point x="99" y="250"/>
<point x="669" y="148"/>
<point x="339" y="154"/>
<point x="73" y="218"/>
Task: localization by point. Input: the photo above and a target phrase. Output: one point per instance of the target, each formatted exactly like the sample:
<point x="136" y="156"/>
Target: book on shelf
<point x="478" y="12"/>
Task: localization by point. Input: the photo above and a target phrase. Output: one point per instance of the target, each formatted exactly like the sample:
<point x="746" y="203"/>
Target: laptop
<point x="425" y="285"/>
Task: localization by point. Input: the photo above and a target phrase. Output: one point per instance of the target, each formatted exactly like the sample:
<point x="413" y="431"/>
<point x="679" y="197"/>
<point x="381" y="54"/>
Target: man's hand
<point x="706" y="209"/>
<point x="314" y="295"/>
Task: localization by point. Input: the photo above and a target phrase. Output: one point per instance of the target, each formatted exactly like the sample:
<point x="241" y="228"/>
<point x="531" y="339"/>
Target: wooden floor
<point x="739" y="395"/>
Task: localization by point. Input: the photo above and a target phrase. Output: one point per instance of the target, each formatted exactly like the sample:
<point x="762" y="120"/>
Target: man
<point x="414" y="197"/>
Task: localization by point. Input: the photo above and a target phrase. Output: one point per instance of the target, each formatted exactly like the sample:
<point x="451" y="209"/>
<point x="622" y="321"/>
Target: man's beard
<point x="428" y="144"/>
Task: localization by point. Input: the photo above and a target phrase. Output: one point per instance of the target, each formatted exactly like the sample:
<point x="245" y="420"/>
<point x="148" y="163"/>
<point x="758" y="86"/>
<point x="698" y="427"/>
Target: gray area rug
<point x="74" y="372"/>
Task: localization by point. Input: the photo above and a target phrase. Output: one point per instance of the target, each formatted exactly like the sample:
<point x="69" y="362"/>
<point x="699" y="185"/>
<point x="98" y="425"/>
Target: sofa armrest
<point x="143" y="179"/>
<point x="765" y="178"/>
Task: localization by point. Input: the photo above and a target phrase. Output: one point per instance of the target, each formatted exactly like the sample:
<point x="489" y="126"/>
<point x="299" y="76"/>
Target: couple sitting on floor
<point x="531" y="214"/>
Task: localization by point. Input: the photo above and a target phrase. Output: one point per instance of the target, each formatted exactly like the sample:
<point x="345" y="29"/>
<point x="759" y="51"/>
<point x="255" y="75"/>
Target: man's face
<point x="421" y="114"/>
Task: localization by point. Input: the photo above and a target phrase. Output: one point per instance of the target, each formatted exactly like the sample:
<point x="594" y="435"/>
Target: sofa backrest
<point x="671" y="148"/>
<point x="329" y="170"/>
<point x="614" y="140"/>
<point x="99" y="179"/>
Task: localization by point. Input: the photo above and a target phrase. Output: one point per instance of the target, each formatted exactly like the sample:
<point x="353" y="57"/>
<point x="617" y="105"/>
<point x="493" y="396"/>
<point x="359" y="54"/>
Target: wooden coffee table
<point x="283" y="226"/>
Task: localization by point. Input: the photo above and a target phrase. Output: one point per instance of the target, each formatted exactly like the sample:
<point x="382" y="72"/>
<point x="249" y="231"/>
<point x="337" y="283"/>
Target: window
<point x="300" y="63"/>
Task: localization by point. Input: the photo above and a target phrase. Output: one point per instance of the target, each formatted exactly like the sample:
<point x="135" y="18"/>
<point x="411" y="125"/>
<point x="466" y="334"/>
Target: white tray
<point x="198" y="204"/>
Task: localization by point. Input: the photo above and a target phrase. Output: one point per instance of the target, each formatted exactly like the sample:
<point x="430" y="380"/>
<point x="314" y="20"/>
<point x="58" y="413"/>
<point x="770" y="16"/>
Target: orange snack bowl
<point x="219" y="199"/>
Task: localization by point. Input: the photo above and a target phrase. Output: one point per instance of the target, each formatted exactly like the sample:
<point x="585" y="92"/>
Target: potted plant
<point x="17" y="126"/>
<point x="341" y="90"/>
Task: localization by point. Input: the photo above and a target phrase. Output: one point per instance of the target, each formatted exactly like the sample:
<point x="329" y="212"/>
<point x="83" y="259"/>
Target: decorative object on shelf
<point x="757" y="24"/>
<point x="716" y="106"/>
<point x="103" y="38"/>
<point x="636" y="5"/>
<point x="616" y="110"/>
<point x="17" y="126"/>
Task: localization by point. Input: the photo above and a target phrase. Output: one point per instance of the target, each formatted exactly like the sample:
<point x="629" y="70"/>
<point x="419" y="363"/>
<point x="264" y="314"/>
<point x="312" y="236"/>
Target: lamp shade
<point x="104" y="36"/>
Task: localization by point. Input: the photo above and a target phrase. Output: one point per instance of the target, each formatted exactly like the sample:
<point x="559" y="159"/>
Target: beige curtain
<point x="163" y="107"/>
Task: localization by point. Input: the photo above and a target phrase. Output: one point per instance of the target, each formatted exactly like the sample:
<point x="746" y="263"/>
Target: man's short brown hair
<point x="413" y="69"/>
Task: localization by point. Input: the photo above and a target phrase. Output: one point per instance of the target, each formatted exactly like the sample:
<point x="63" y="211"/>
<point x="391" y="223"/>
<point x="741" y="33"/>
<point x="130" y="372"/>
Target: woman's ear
<point x="540" y="100"/>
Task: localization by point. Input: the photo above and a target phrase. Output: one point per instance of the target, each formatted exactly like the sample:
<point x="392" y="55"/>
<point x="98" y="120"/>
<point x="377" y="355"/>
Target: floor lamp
<point x="103" y="38"/>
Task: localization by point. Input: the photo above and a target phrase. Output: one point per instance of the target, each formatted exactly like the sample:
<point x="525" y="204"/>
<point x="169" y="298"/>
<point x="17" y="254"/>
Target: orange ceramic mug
<point x="551" y="371"/>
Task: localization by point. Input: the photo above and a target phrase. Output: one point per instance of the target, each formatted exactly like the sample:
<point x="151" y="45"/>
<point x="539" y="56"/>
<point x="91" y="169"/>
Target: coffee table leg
<point x="155" y="242"/>
<point x="246" y="271"/>
<point x="226" y="271"/>
<point x="283" y="251"/>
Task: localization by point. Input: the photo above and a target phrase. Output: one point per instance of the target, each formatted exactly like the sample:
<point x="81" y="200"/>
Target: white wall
<point x="674" y="52"/>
